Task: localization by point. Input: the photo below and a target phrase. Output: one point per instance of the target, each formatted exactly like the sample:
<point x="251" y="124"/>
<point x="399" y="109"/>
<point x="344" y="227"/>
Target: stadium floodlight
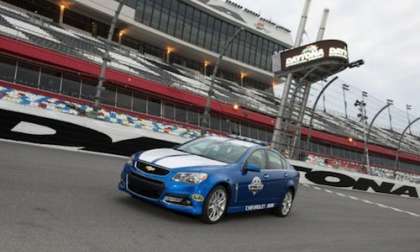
<point x="106" y="57"/>
<point x="361" y="105"/>
<point x="206" y="64"/>
<point x="243" y="75"/>
<point x="121" y="35"/>
<point x="364" y="94"/>
<point x="389" y="101"/>
<point x="62" y="9"/>
<point x="345" y="88"/>
<point x="206" y="115"/>
<point x="169" y="51"/>
<point x="408" y="107"/>
<point x="357" y="63"/>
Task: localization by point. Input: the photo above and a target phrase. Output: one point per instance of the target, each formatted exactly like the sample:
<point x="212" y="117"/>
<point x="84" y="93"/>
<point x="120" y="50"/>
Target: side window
<point x="275" y="161"/>
<point x="258" y="158"/>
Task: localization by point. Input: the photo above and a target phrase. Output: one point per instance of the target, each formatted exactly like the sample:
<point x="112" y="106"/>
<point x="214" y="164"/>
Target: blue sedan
<point x="211" y="176"/>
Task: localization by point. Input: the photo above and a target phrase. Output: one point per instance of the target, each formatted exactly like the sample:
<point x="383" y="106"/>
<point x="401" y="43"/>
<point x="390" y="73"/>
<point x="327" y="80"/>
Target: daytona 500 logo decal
<point x="256" y="185"/>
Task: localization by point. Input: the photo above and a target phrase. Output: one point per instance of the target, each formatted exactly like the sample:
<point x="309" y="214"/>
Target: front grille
<point x="144" y="186"/>
<point x="152" y="168"/>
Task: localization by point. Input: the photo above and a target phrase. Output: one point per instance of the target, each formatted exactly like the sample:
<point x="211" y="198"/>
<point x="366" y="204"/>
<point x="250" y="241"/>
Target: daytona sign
<point x="360" y="183"/>
<point x="324" y="58"/>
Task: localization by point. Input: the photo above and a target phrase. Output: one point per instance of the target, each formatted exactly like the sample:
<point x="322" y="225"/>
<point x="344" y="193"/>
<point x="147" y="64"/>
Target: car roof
<point x="246" y="142"/>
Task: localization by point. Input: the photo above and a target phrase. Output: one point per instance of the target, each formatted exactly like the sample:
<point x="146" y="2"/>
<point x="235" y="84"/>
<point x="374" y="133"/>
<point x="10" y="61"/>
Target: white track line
<point x="340" y="194"/>
<point x="64" y="148"/>
<point x="353" y="197"/>
<point x="395" y="209"/>
<point x="367" y="201"/>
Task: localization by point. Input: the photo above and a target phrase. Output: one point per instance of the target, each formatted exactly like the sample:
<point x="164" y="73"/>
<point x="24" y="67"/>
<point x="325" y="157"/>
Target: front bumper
<point x="163" y="191"/>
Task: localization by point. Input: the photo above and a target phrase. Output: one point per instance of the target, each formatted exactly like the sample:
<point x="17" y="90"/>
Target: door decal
<point x="256" y="185"/>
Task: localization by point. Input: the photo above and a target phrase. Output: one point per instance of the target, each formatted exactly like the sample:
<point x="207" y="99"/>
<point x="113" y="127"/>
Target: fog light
<point x="173" y="199"/>
<point x="177" y="200"/>
<point x="197" y="197"/>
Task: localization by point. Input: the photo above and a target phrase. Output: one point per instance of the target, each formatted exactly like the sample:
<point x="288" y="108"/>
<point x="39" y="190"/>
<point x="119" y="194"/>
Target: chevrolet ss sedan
<point x="211" y="176"/>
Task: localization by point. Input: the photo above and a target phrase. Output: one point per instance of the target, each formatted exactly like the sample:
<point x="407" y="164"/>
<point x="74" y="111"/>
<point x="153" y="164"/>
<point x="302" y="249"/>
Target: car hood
<point x="172" y="159"/>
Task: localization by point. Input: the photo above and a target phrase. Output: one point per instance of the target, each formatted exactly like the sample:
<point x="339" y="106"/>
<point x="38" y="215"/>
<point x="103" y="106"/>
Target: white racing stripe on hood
<point x="152" y="155"/>
<point x="189" y="160"/>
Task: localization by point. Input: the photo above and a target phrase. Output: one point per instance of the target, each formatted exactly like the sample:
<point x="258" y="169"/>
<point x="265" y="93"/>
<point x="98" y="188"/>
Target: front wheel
<point x="284" y="209"/>
<point x="215" y="205"/>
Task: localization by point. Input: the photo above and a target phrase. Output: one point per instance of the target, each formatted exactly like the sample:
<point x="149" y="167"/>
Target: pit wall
<point x="44" y="120"/>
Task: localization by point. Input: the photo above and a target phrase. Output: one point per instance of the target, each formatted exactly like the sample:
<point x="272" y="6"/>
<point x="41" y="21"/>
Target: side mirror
<point x="252" y="167"/>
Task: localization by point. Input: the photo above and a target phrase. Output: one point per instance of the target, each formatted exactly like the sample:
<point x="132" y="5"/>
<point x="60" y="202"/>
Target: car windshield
<point x="220" y="149"/>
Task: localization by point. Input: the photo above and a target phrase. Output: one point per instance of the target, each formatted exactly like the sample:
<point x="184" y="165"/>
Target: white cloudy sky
<point x="385" y="33"/>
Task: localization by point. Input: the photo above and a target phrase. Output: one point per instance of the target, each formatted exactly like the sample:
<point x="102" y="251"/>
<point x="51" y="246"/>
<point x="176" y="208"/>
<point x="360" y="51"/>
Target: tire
<point x="216" y="200"/>
<point x="286" y="205"/>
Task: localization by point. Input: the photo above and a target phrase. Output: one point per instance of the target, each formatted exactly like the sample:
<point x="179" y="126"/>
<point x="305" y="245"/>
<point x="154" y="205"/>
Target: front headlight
<point x="131" y="160"/>
<point x="190" y="177"/>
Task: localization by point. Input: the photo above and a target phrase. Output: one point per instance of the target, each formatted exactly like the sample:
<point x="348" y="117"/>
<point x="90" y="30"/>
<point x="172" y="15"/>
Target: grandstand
<point x="39" y="55"/>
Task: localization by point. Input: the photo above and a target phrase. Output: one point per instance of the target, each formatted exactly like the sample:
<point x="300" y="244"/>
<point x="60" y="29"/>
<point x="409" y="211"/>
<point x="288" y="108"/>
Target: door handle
<point x="286" y="174"/>
<point x="266" y="175"/>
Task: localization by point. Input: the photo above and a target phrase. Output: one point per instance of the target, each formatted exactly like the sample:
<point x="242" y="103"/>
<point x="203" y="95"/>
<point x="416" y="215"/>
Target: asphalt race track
<point x="56" y="200"/>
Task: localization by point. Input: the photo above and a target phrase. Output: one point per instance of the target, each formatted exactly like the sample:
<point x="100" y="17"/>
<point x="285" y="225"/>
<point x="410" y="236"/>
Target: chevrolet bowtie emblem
<point x="149" y="168"/>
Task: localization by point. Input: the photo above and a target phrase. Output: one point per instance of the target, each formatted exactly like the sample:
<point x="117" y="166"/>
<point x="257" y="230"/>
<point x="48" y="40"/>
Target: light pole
<point x="370" y="128"/>
<point x="408" y="108"/>
<point x="345" y="89"/>
<point x="389" y="114"/>
<point x="106" y="57"/>
<point x="323" y="103"/>
<point x="206" y="115"/>
<point x="365" y="95"/>
<point x="361" y="105"/>
<point x="397" y="153"/>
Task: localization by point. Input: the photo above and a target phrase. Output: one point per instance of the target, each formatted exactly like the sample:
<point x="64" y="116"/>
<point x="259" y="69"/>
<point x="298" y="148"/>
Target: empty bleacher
<point x="45" y="33"/>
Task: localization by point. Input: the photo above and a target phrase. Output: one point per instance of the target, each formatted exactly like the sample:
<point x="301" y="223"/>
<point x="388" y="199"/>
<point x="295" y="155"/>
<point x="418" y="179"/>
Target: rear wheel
<point x="215" y="205"/>
<point x="285" y="207"/>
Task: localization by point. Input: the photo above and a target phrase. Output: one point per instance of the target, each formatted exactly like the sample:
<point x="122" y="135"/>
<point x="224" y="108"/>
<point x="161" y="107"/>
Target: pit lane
<point x="57" y="200"/>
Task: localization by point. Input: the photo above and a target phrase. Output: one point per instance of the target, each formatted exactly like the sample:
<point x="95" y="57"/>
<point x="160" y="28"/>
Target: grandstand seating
<point x="40" y="31"/>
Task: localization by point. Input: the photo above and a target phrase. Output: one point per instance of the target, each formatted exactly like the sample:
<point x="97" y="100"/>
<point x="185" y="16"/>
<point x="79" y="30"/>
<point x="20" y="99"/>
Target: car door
<point x="250" y="183"/>
<point x="275" y="176"/>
